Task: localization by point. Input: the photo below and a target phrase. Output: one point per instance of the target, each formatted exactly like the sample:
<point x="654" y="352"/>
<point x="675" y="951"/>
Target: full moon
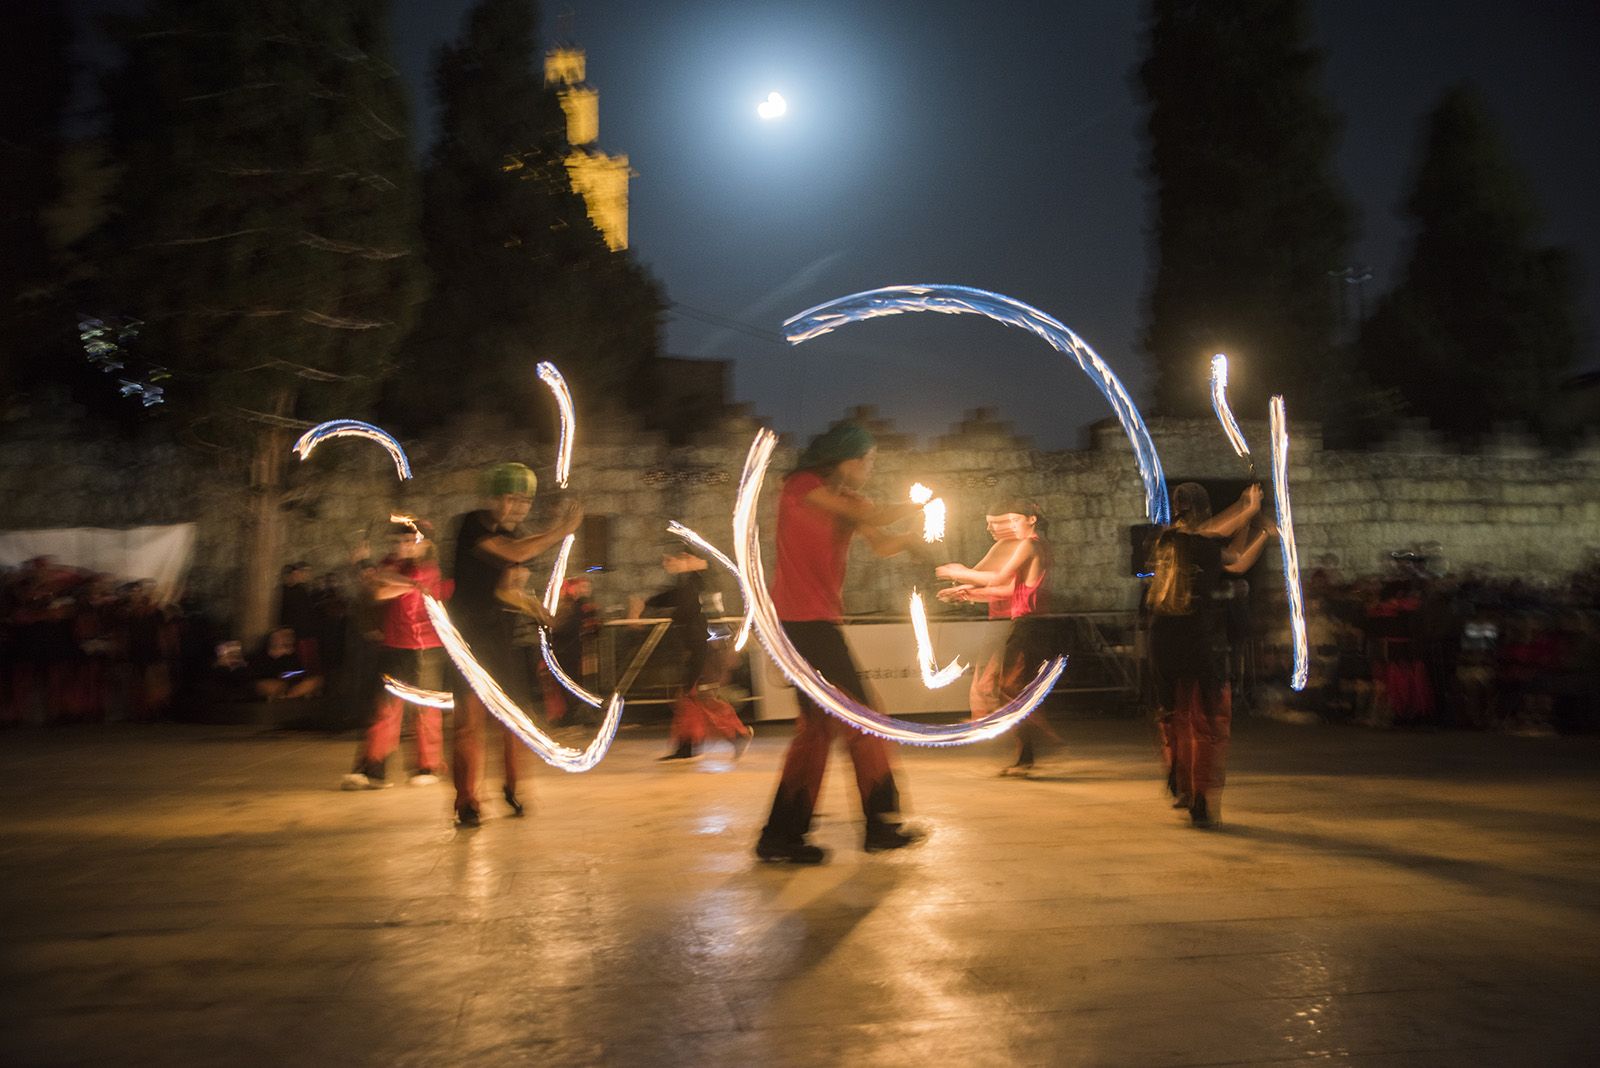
<point x="772" y="107"/>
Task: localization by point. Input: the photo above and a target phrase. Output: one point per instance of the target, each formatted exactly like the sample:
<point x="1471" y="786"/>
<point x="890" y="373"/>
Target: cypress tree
<point x="263" y="228"/>
<point x="520" y="272"/>
<point x="34" y="54"/>
<point x="1484" y="320"/>
<point x="1249" y="217"/>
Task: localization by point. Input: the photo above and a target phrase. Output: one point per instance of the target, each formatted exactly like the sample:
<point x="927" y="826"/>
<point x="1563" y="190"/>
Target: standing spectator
<point x="297" y="611"/>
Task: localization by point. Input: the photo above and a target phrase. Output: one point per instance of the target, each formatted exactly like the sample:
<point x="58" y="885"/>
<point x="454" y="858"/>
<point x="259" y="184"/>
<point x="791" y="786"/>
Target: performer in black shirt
<point x="486" y="549"/>
<point x="1189" y="639"/>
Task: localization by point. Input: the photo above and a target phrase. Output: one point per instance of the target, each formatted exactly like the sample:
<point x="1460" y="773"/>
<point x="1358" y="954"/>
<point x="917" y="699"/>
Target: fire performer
<point x="820" y="511"/>
<point x="697" y="709"/>
<point x="1011" y="580"/>
<point x="1188" y="639"/>
<point x="487" y="554"/>
<point x="411" y="653"/>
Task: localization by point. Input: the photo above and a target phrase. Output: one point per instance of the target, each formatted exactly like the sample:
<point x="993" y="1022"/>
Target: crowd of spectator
<point x="78" y="646"/>
<point x="1421" y="648"/>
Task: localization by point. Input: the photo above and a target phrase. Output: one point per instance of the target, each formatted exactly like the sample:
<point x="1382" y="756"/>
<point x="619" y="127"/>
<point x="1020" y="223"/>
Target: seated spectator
<point x="280" y="673"/>
<point x="231" y="675"/>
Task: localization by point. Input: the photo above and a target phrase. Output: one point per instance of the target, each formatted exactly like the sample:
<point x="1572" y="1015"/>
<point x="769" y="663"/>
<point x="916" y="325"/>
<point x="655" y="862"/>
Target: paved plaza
<point x="181" y="895"/>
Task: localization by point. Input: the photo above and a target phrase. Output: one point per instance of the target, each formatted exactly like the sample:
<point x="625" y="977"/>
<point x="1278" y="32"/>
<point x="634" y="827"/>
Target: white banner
<point x="886" y="657"/>
<point x="161" y="554"/>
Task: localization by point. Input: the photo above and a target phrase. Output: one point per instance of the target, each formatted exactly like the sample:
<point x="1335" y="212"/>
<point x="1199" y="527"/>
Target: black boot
<point x="882" y="837"/>
<point x="510" y="795"/>
<point x="789" y="851"/>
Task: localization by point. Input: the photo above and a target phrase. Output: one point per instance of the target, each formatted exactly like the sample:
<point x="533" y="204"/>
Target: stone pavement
<point x="202" y="895"/>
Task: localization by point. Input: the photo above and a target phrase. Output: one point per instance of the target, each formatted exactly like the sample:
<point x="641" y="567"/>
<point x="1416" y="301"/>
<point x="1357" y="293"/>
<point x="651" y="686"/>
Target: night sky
<point x="995" y="145"/>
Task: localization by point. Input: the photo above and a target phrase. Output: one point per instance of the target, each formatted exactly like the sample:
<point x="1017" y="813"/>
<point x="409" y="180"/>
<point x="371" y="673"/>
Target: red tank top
<point x="1026" y="600"/>
<point x="405" y="619"/>
<point x="813" y="545"/>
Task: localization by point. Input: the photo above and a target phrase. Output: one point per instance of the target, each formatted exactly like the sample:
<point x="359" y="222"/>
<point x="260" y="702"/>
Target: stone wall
<point x="1508" y="507"/>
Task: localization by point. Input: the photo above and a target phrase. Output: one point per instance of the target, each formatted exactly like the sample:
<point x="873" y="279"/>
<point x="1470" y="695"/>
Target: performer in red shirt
<point x="820" y="510"/>
<point x="411" y="653"/>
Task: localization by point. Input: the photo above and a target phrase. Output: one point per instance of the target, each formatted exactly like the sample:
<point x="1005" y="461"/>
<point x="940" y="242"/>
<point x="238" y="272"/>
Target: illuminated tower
<point x="601" y="179"/>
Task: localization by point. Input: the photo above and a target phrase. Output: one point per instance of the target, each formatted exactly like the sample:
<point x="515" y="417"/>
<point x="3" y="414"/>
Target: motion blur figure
<point x="697" y="709"/>
<point x="820" y="510"/>
<point x="411" y="653"/>
<point x="1012" y="576"/>
<point x="1189" y="639"/>
<point x="487" y="547"/>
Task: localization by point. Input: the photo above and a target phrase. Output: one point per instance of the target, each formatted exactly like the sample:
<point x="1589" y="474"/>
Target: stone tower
<point x="601" y="179"/>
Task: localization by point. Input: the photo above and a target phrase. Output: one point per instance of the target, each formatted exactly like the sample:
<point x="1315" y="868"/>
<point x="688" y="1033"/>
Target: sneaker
<point x="1183" y="801"/>
<point x="684" y="753"/>
<point x="467" y="817"/>
<point x="377" y="783"/>
<point x="1202" y="815"/>
<point x="790" y="851"/>
<point x="885" y="836"/>
<point x="1016" y="771"/>
<point x="741" y="742"/>
<point x="355" y="781"/>
<point x="511" y="799"/>
<point x="423" y="778"/>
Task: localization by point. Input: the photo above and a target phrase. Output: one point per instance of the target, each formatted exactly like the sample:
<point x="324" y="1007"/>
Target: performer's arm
<point x="1237" y="562"/>
<point x="885" y="544"/>
<point x="978" y="594"/>
<point x="858" y="509"/>
<point x="1226" y="523"/>
<point x="519" y="550"/>
<point x="1005" y="573"/>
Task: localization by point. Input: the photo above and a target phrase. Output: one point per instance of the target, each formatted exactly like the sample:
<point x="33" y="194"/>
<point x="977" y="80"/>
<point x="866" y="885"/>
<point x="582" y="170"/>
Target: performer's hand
<point x="1252" y="496"/>
<point x="948" y="571"/>
<point x="570" y="518"/>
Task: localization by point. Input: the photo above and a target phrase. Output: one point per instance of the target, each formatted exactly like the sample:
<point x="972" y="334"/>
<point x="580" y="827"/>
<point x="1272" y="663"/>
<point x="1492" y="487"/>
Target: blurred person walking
<point x="820" y="510"/>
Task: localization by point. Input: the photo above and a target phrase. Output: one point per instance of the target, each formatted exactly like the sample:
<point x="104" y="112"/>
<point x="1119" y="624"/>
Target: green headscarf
<point x="502" y="479"/>
<point x="842" y="441"/>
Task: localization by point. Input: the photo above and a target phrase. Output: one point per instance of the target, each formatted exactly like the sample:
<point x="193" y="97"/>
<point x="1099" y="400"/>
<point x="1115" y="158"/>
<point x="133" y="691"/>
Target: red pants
<point x="467" y="766"/>
<point x="823" y="644"/>
<point x="1196" y="737"/>
<point x="383" y="737"/>
<point x="697" y="713"/>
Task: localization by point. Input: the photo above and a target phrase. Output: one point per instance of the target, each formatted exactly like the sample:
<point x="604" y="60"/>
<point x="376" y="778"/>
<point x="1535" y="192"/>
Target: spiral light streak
<point x="1219" y="404"/>
<point x="552" y="601"/>
<point x="417" y="695"/>
<point x="933" y="676"/>
<point x="353" y="428"/>
<point x="965" y="300"/>
<point x="508" y="712"/>
<point x="1291" y="554"/>
<point x="678" y="530"/>
<point x="827" y="696"/>
<point x="569" y="423"/>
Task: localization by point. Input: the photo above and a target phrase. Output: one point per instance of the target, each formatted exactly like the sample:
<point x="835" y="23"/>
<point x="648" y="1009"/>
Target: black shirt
<point x="477" y="573"/>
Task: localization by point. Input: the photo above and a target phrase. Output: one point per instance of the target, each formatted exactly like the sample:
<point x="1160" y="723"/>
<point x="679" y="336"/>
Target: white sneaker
<point x="356" y="781"/>
<point x="425" y="778"/>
